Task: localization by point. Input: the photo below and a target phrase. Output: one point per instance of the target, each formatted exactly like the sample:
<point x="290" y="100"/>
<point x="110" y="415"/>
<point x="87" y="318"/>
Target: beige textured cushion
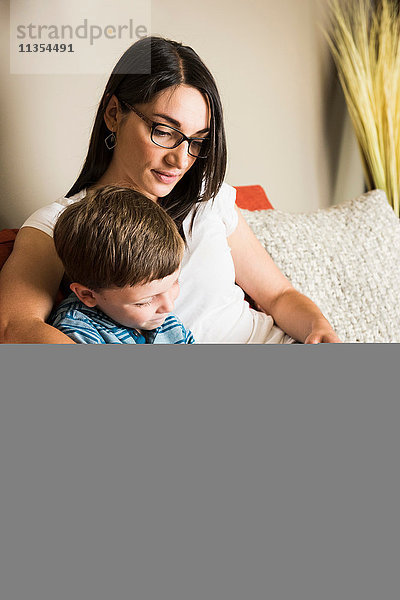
<point x="346" y="258"/>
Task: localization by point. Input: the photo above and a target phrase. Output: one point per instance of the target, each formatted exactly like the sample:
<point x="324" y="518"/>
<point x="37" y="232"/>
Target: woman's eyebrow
<point x="176" y="123"/>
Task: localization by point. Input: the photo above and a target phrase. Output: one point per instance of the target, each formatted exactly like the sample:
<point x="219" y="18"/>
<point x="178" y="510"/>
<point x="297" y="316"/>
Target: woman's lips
<point x="164" y="176"/>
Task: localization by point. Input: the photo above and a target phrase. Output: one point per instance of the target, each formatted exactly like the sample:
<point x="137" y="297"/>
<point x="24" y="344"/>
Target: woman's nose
<point x="179" y="157"/>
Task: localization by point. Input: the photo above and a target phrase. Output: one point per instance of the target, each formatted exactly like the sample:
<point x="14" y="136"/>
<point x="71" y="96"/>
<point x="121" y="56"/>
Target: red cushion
<point x="252" y="197"/>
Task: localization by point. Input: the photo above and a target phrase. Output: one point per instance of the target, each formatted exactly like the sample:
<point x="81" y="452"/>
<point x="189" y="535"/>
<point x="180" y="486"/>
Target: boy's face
<point x="139" y="307"/>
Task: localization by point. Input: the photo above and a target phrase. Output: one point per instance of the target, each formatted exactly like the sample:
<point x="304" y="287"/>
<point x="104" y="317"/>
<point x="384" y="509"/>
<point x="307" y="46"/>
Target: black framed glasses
<point x="166" y="136"/>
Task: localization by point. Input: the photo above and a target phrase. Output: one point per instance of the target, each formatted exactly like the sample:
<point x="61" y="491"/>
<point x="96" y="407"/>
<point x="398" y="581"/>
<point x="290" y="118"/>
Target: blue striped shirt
<point x="87" y="325"/>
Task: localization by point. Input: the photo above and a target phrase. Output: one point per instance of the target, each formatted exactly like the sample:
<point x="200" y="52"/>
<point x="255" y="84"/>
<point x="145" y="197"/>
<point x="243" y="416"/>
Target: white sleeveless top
<point x="209" y="303"/>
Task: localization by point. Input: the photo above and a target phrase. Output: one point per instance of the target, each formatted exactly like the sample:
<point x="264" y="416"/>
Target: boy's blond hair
<point x="116" y="237"/>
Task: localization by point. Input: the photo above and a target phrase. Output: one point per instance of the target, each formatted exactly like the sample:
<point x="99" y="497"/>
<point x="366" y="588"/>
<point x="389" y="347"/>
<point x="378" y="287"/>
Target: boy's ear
<point x="84" y="294"/>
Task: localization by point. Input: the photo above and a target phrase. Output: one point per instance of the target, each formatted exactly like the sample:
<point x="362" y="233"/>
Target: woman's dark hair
<point x="172" y="64"/>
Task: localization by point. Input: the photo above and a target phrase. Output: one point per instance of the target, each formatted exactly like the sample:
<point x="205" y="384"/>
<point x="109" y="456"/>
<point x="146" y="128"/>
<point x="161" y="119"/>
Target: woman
<point x="162" y="133"/>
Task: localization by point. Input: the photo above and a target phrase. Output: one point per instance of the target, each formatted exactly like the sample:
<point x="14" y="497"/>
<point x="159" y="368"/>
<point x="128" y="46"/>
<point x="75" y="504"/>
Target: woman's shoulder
<point x="226" y="196"/>
<point x="221" y="207"/>
<point x="45" y="217"/>
<point x="223" y="201"/>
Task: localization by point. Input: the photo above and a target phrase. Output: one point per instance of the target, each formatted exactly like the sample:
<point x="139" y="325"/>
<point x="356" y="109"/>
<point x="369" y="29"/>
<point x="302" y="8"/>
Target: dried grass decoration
<point x="365" y="42"/>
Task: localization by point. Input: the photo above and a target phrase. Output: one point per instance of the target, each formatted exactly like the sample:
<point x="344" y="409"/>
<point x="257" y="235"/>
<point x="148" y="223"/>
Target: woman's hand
<point x="321" y="330"/>
<point x="322" y="333"/>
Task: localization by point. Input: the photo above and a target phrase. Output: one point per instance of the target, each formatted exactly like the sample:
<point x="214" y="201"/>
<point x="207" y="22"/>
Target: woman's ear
<point x="84" y="294"/>
<point x="112" y="113"/>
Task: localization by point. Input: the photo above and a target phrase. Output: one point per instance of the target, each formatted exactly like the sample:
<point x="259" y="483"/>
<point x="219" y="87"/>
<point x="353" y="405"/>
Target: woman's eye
<point x="162" y="133"/>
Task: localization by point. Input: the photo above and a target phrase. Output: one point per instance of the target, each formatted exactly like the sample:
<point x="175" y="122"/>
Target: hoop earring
<point x="110" y="141"/>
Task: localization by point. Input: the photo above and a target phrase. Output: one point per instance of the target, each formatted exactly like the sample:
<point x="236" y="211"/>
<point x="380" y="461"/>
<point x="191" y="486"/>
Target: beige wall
<point x="284" y="111"/>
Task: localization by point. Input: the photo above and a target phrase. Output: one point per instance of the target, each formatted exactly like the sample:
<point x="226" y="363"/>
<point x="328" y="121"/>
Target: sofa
<point x="346" y="258"/>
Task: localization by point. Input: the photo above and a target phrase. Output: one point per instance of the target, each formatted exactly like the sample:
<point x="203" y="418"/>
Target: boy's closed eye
<point x="143" y="303"/>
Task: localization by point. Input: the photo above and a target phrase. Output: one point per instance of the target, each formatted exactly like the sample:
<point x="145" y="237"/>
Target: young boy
<point x="122" y="252"/>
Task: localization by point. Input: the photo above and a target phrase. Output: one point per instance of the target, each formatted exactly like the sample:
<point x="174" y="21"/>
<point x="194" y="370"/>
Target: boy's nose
<point x="166" y="304"/>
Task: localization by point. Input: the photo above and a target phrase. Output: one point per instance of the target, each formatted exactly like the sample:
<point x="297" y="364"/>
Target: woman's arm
<point x="29" y="281"/>
<point x="257" y="274"/>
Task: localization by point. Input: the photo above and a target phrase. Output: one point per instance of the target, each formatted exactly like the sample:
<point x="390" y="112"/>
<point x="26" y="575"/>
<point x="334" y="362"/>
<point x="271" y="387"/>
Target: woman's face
<point x="140" y="163"/>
